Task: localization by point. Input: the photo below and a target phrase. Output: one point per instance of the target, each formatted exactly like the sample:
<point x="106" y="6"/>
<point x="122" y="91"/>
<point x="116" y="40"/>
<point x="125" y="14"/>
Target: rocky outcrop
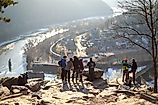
<point x="100" y="84"/>
<point x="20" y="89"/>
<point x="86" y="93"/>
<point x="34" y="84"/>
<point x="4" y="91"/>
<point x="97" y="73"/>
<point x="98" y="92"/>
<point x="9" y="82"/>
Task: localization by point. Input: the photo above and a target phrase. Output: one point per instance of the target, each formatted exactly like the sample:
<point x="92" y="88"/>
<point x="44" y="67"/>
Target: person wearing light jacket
<point x="69" y="67"/>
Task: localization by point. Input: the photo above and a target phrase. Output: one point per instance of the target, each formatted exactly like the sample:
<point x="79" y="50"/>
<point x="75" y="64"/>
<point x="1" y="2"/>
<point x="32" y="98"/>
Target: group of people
<point x="76" y="66"/>
<point x="126" y="71"/>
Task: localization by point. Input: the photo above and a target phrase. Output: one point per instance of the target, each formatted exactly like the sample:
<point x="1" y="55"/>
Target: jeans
<point x="125" y="75"/>
<point x="91" y="74"/>
<point x="67" y="75"/>
<point x="73" y="74"/>
<point x="63" y="74"/>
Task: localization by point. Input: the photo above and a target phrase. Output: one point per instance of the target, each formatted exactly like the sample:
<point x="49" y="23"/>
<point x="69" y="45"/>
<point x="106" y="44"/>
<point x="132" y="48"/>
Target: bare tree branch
<point x="136" y="31"/>
<point x="155" y="22"/>
<point x="136" y="43"/>
<point x="148" y="10"/>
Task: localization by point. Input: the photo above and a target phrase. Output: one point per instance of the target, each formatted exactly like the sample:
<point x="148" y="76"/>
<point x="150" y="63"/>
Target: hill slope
<point x="33" y="14"/>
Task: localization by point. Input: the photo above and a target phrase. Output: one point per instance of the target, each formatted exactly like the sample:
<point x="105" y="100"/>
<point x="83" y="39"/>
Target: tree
<point x="142" y="16"/>
<point x="4" y="4"/>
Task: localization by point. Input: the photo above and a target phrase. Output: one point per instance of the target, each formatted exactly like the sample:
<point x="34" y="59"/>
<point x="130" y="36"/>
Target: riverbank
<point x="16" y="51"/>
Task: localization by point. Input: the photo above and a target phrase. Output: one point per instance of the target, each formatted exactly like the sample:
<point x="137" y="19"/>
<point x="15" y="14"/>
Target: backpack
<point x="59" y="63"/>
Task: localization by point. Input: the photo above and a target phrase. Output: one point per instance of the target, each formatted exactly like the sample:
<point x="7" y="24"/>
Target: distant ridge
<point x="29" y="15"/>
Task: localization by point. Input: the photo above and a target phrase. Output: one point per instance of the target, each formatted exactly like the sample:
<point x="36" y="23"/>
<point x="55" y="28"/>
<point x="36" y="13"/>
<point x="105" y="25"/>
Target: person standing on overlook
<point x="76" y="65"/>
<point x="62" y="64"/>
<point x="133" y="69"/>
<point x="125" y="68"/>
<point x="81" y="69"/>
<point x="10" y="65"/>
<point x="91" y="65"/>
<point x="69" y="67"/>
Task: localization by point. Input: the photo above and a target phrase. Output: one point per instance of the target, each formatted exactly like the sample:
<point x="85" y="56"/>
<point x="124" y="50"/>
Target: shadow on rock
<point x="100" y="84"/>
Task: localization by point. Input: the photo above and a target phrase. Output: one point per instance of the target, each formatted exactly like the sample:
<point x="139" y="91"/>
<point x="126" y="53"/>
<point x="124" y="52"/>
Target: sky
<point x="112" y="3"/>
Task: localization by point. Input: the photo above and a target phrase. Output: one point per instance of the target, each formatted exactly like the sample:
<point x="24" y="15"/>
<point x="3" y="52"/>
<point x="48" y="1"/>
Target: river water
<point x="15" y="51"/>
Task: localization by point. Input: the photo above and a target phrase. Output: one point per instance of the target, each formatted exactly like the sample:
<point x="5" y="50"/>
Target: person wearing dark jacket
<point x="91" y="65"/>
<point x="81" y="69"/>
<point x="62" y="64"/>
<point x="76" y="68"/>
<point x="133" y="69"/>
<point x="10" y="65"/>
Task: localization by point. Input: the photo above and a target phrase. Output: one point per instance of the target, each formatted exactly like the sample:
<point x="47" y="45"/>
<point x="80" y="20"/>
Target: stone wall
<point x="45" y="68"/>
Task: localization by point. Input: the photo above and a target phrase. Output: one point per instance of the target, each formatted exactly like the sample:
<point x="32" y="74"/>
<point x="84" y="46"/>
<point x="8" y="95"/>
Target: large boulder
<point x="97" y="73"/>
<point x="9" y="81"/>
<point x="34" y="84"/>
<point x="20" y="89"/>
<point x="100" y="84"/>
<point x="4" y="91"/>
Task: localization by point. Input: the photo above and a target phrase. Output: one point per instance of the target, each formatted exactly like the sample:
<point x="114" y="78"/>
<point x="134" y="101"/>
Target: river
<point x="15" y="51"/>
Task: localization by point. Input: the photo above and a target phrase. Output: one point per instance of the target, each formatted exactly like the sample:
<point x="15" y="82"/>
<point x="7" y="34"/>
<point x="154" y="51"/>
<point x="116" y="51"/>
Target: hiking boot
<point x="72" y="80"/>
<point x="64" y="82"/>
<point x="81" y="80"/>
